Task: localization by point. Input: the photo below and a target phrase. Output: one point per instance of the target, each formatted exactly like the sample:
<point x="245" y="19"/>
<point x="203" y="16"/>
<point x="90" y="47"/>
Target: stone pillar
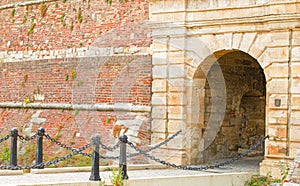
<point x="283" y="87"/>
<point x="169" y="84"/>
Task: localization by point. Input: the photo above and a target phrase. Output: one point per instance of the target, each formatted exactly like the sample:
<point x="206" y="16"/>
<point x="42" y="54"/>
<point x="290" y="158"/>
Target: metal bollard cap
<point x="123" y="138"/>
<point x="41" y="131"/>
<point x="96" y="140"/>
<point x="14" y="132"/>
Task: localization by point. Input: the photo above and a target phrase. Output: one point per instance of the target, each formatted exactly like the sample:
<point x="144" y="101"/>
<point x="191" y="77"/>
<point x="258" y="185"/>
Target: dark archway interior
<point x="244" y="120"/>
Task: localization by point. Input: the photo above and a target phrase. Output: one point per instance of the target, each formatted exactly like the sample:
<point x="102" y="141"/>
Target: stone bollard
<point x="95" y="175"/>
<point x="122" y="162"/>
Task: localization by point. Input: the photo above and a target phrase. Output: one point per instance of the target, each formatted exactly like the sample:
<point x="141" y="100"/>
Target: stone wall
<point x="191" y="36"/>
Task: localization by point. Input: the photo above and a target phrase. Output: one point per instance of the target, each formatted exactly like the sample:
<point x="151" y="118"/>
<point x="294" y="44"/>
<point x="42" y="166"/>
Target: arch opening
<point x="243" y="122"/>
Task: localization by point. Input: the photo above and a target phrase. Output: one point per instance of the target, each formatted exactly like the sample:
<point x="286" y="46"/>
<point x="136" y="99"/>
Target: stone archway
<point x="224" y="133"/>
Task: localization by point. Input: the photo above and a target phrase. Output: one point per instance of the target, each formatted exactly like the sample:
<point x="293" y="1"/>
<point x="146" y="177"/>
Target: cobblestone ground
<point x="244" y="165"/>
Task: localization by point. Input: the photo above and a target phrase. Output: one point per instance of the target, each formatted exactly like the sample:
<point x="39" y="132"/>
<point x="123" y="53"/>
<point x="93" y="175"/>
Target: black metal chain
<point x="57" y="160"/>
<point x="75" y="151"/>
<point x="65" y="146"/>
<point x="51" y="162"/>
<point x="156" y="146"/>
<point x="110" y="148"/>
<point x="201" y="167"/>
<point x="27" y="138"/>
<point x="100" y="156"/>
<point x="5" y="138"/>
<point x="41" y="165"/>
<point x="135" y="154"/>
<point x="9" y="167"/>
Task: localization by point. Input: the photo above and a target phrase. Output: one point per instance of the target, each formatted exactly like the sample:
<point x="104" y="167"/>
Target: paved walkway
<point x="245" y="165"/>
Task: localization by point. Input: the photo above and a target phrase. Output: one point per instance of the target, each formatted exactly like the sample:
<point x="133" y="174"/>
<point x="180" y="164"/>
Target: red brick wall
<point x="99" y="20"/>
<point x="82" y="81"/>
<point x="87" y="80"/>
<point x="72" y="129"/>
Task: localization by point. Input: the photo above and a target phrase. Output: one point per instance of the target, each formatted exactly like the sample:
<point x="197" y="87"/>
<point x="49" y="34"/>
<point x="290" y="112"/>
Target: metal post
<point x="39" y="148"/>
<point x="95" y="175"/>
<point x="123" y="163"/>
<point x="13" y="149"/>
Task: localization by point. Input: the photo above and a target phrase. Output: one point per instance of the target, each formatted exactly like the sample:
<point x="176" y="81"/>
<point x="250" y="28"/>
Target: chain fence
<point x="110" y="148"/>
<point x="79" y="151"/>
<point x="25" y="138"/>
<point x="145" y="151"/>
<point x="74" y="151"/>
<point x="199" y="168"/>
<point x="65" y="146"/>
<point x="4" y="138"/>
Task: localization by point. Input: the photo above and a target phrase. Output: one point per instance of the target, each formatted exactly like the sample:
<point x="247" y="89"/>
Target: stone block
<point x="176" y="112"/>
<point x="191" y="71"/>
<point x="283" y="99"/>
<point x="173" y="17"/>
<point x="176" y="143"/>
<point x="295" y="88"/>
<point x="158" y="137"/>
<point x="264" y="60"/>
<point x="159" y="85"/>
<point x="159" y="99"/>
<point x="159" y="45"/>
<point x="276" y="148"/>
<point x="177" y="44"/>
<point x="277" y="116"/>
<point x="294" y="147"/>
<point x="176" y="125"/>
<point x="282" y="8"/>
<point x="278" y="86"/>
<point x="159" y="58"/>
<point x="158" y="125"/>
<point x="159" y="72"/>
<point x="276" y="70"/>
<point x="296" y="37"/>
<point x="278" y="54"/>
<point x="196" y="50"/>
<point x="176" y="57"/>
<point x="257" y="48"/>
<point x="295" y="102"/>
<point x="296" y="54"/>
<point x="247" y="41"/>
<point x="295" y="69"/>
<point x="277" y="132"/>
<point x="177" y="85"/>
<point x="170" y="155"/>
<point x="210" y="42"/>
<point x="176" y="98"/>
<point x="176" y="71"/>
<point x="159" y="112"/>
<point x="225" y="40"/>
<point x="295" y="117"/>
<point x="271" y="166"/>
<point x="279" y="39"/>
<point x="295" y="132"/>
<point x="236" y="41"/>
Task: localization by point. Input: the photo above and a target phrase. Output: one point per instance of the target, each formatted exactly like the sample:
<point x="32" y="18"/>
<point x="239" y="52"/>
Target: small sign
<point x="277" y="102"/>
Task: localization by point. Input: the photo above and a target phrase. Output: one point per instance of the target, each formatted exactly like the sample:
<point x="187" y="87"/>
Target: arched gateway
<point x="240" y="110"/>
<point x="225" y="82"/>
